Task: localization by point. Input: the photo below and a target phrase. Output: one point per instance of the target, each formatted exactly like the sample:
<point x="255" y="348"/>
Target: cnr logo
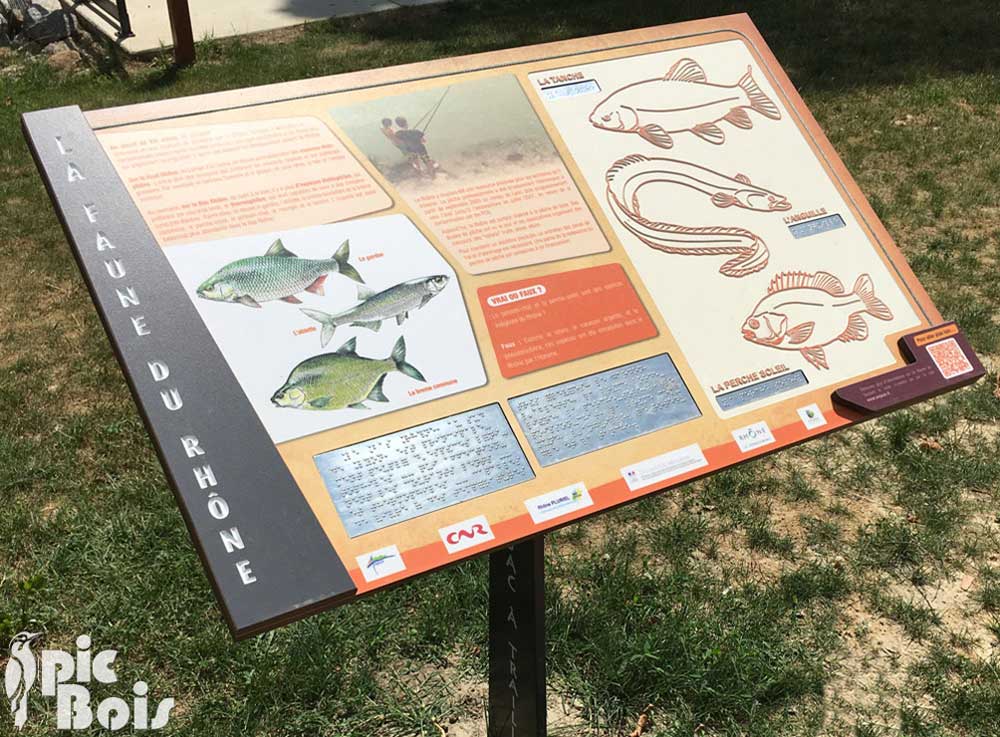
<point x="457" y="536"/>
<point x="466" y="534"/>
<point x="63" y="676"/>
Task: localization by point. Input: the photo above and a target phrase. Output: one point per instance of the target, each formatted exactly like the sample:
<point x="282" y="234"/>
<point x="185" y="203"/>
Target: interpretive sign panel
<point x="381" y="322"/>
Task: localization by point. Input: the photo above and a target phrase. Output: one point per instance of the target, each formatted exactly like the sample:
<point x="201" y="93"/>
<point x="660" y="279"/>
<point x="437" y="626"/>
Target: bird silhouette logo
<point x="20" y="674"/>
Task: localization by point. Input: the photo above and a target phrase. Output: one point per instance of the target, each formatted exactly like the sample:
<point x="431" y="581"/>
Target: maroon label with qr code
<point x="940" y="359"/>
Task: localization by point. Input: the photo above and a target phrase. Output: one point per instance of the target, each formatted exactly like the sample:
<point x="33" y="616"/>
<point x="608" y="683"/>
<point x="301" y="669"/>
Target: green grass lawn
<point x="847" y="587"/>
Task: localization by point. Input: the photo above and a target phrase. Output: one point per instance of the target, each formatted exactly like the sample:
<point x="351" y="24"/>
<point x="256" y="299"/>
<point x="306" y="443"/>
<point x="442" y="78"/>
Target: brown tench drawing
<point x="804" y="312"/>
<point x="682" y="100"/>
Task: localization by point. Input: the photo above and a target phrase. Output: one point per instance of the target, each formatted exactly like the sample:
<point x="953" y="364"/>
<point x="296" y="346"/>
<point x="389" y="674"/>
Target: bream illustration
<point x="805" y="312"/>
<point x="278" y="274"/>
<point x="682" y="100"/>
<point x="374" y="307"/>
<point x="342" y="379"/>
<point x="629" y="175"/>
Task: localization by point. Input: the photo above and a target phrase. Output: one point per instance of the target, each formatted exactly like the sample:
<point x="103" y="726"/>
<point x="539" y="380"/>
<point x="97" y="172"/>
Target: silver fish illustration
<point x="682" y="100"/>
<point x="278" y="274"/>
<point x="805" y="312"/>
<point x="629" y="175"/>
<point x="342" y="379"/>
<point x="374" y="307"/>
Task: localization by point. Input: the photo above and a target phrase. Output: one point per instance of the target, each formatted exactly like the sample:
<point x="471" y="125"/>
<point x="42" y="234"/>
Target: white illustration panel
<point x="750" y="253"/>
<point x="328" y="325"/>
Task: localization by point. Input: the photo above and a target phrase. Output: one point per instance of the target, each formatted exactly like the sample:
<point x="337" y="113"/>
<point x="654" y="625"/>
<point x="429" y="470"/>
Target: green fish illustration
<point x="374" y="307"/>
<point x="342" y="379"/>
<point x="278" y="274"/>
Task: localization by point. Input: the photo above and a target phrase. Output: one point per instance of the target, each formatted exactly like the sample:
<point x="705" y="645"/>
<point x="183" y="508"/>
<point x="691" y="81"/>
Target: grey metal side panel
<point x="248" y="497"/>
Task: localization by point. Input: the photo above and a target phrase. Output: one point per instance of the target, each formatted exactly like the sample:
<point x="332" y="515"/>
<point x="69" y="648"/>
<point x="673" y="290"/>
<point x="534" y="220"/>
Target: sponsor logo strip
<point x="381" y="563"/>
<point x="753" y="436"/>
<point x="811" y="416"/>
<point x="466" y="534"/>
<point x="557" y="503"/>
<point x="662" y="467"/>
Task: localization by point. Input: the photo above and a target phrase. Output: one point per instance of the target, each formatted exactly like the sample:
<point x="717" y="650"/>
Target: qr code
<point x="949" y="358"/>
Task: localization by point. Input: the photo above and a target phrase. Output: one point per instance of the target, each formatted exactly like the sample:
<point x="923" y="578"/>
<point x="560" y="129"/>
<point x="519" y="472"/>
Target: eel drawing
<point x="629" y="175"/>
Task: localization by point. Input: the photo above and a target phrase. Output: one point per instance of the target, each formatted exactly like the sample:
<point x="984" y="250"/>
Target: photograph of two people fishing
<point x="449" y="136"/>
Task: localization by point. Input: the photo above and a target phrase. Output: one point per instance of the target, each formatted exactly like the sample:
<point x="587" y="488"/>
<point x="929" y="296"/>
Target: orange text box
<point x="937" y="333"/>
<point x="551" y="319"/>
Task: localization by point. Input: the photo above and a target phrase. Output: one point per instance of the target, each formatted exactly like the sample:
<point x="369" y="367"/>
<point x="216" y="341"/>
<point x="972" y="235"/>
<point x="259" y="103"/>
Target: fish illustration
<point x="342" y="379"/>
<point x="682" y="100"/>
<point x="374" y="307"/>
<point x="278" y="274"/>
<point x="629" y="175"/>
<point x="805" y="312"/>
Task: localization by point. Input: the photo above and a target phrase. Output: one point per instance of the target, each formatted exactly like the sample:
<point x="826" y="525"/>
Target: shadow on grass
<point x="822" y="44"/>
<point x="162" y="78"/>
